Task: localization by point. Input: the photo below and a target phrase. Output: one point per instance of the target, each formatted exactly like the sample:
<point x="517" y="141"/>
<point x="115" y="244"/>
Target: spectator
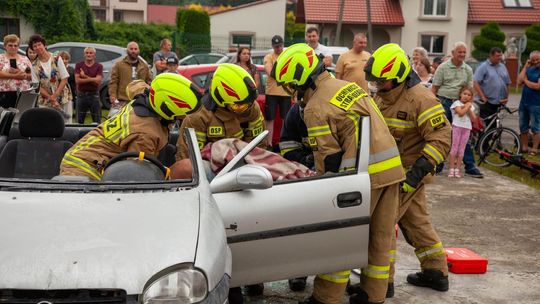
<point x="14" y="72"/>
<point x="435" y="64"/>
<point x="529" y="106"/>
<point x="161" y="56"/>
<point x="312" y="39"/>
<point x="243" y="59"/>
<point x="417" y="54"/>
<point x="350" y="65"/>
<point x="123" y="72"/>
<point x="172" y="65"/>
<point x="51" y="73"/>
<point x="422" y="68"/>
<point x="71" y="80"/>
<point x="492" y="83"/>
<point x="462" y="118"/>
<point x="30" y="54"/>
<point x="451" y="75"/>
<point x="88" y="75"/>
<point x="275" y="95"/>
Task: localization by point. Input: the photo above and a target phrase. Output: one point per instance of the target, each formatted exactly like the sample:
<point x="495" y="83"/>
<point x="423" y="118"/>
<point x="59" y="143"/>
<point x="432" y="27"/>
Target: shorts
<point x="272" y="101"/>
<point x="529" y="118"/>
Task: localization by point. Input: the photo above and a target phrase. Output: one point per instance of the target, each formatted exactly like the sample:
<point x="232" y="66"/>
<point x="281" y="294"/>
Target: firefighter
<point x="332" y="111"/>
<point x="229" y="111"/>
<point x="294" y="141"/>
<point x="416" y="120"/>
<point x="141" y="126"/>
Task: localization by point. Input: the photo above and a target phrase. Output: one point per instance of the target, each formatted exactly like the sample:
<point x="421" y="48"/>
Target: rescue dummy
<point x="332" y="110"/>
<point x="141" y="126"/>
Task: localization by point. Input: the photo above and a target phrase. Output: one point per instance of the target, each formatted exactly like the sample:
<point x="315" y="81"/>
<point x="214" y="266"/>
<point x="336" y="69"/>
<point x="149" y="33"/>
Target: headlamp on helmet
<point x="232" y="85"/>
<point x="389" y="62"/>
<point x="173" y="96"/>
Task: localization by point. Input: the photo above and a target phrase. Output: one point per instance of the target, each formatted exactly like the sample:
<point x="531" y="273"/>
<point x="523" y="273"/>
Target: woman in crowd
<point x="30" y="54"/>
<point x="51" y="73"/>
<point x="14" y="72"/>
<point x="417" y="54"/>
<point x="422" y="68"/>
<point x="243" y="59"/>
<point x="66" y="57"/>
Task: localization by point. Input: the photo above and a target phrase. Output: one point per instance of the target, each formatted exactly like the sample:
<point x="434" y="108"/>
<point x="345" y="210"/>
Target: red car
<point x="201" y="74"/>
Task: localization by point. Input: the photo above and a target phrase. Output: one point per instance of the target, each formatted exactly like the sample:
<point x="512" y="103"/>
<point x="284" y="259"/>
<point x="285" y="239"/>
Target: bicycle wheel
<point x="504" y="139"/>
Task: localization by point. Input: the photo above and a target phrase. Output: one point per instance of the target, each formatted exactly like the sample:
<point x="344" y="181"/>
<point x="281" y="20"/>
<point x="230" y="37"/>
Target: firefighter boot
<point x="297" y="284"/>
<point x="361" y="297"/>
<point x="354" y="289"/>
<point x="431" y="278"/>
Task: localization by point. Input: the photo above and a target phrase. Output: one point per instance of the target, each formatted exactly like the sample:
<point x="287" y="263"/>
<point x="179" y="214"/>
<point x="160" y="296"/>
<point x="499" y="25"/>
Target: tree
<point x="533" y="40"/>
<point x="194" y="28"/>
<point x="294" y="32"/>
<point x="490" y="36"/>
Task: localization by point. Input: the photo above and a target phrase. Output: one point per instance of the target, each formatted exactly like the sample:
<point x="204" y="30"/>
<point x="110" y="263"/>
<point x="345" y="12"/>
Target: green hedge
<point x="490" y="36"/>
<point x="533" y="40"/>
<point x="194" y="29"/>
<point x="148" y="36"/>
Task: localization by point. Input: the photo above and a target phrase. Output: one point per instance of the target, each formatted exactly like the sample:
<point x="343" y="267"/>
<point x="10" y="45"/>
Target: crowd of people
<point x="419" y="112"/>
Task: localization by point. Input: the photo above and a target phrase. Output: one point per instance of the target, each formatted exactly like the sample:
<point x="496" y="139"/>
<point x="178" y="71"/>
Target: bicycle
<point x="496" y="137"/>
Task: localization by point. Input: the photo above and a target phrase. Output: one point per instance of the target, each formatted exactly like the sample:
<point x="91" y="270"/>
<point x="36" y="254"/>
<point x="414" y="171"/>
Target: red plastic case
<point x="463" y="260"/>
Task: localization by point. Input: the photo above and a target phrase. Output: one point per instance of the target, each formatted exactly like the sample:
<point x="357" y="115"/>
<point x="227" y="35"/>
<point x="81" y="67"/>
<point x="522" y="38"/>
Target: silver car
<point x="106" y="54"/>
<point x="178" y="241"/>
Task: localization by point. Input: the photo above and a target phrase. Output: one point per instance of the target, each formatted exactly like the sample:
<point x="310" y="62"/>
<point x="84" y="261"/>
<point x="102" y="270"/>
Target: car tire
<point x="104" y="98"/>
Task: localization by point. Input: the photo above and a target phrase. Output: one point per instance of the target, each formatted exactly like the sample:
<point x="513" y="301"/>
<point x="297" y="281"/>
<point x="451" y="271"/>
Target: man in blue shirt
<point x="529" y="107"/>
<point x="491" y="82"/>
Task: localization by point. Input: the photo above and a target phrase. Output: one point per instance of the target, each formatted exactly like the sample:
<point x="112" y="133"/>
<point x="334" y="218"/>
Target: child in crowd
<point x="462" y="117"/>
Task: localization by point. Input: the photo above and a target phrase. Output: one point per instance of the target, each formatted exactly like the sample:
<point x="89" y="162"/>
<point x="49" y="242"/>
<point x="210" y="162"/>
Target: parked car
<point x="201" y="75"/>
<point x="3" y="50"/>
<point x="183" y="241"/>
<point x="257" y="56"/>
<point x="203" y="59"/>
<point x="106" y="54"/>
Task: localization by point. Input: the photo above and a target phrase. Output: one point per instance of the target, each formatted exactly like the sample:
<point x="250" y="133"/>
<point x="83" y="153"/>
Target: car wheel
<point x="104" y="98"/>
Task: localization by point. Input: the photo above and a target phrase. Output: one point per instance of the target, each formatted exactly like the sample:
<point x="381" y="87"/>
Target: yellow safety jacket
<point x="416" y="120"/>
<point x="212" y="126"/>
<point x="126" y="131"/>
<point x="332" y="116"/>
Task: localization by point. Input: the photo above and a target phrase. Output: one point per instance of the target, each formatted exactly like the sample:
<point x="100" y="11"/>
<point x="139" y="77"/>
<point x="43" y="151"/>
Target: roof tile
<point x="384" y="12"/>
<point x="482" y="11"/>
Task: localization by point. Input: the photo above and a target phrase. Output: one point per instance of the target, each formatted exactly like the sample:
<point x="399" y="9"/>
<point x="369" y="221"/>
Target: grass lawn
<point x="516" y="173"/>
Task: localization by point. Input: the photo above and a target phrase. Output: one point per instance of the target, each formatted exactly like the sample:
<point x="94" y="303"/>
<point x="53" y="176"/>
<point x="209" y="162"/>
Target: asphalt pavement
<point x="495" y="217"/>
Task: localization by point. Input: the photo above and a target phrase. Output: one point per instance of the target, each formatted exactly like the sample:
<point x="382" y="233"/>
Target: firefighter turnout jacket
<point x="332" y="116"/>
<point x="126" y="131"/>
<point x="212" y="125"/>
<point x="294" y="141"/>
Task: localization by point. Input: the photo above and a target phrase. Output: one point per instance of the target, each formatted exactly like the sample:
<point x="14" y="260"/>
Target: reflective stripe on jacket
<point x="212" y="126"/>
<point x="332" y="117"/>
<point x="121" y="133"/>
<point x="416" y="120"/>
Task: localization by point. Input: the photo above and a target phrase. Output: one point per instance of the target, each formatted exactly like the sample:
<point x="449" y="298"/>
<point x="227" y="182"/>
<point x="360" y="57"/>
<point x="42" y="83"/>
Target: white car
<point x="176" y="241"/>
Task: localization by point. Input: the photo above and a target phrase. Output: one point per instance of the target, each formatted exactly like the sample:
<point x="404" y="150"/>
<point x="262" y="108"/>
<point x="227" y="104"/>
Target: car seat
<point x="39" y="153"/>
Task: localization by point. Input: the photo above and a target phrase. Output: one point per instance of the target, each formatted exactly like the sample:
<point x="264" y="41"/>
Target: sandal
<point x="532" y="153"/>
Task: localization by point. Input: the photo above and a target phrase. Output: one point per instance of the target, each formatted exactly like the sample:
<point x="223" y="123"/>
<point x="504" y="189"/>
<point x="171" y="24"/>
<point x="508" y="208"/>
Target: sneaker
<point x="474" y="172"/>
<point x="457" y="173"/>
<point x="431" y="278"/>
<point x="452" y="172"/>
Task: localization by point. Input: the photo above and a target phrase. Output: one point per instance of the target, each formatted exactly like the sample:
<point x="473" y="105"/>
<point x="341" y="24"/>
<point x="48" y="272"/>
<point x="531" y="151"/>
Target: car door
<point x="299" y="227"/>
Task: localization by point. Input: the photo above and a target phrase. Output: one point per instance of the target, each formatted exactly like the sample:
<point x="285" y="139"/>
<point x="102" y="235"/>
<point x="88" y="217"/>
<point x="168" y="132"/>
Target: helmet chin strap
<point x="310" y="81"/>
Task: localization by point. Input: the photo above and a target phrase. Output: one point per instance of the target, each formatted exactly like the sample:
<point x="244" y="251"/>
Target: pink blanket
<point x="221" y="152"/>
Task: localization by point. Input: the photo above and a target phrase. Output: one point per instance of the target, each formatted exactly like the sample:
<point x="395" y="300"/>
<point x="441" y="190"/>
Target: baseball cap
<point x="172" y="60"/>
<point x="277" y="40"/>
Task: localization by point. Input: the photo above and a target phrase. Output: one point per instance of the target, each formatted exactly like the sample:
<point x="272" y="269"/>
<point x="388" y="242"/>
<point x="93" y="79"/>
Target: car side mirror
<point x="243" y="178"/>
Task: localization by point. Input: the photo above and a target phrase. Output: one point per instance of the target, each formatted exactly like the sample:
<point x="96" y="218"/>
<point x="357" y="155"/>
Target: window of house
<point x="118" y="16"/>
<point x="434" y="44"/>
<point x="9" y="26"/>
<point x="100" y="15"/>
<point x="437" y="8"/>
<point x="242" y="39"/>
<point x="517" y="3"/>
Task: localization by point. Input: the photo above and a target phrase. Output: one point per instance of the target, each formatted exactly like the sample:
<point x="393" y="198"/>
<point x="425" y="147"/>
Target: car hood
<point x="94" y="240"/>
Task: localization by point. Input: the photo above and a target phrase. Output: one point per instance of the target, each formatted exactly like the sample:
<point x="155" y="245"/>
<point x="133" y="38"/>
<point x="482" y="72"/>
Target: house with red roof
<point x="434" y="24"/>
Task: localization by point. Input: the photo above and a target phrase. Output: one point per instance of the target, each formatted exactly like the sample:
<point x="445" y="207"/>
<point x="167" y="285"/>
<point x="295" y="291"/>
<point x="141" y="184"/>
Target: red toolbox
<point x="463" y="260"/>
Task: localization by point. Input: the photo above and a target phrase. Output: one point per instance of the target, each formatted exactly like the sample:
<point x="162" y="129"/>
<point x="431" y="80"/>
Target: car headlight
<point x="177" y="287"/>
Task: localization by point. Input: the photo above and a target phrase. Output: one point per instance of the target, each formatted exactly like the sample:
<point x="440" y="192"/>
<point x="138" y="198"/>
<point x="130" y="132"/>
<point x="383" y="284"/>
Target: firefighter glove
<point x="407" y="188"/>
<point x="419" y="169"/>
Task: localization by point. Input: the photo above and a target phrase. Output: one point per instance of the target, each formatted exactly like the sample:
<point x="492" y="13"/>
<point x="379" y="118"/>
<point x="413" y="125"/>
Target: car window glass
<point x="189" y="61"/>
<point x="102" y="55"/>
<point x="201" y="80"/>
<point x="77" y="54"/>
<point x="57" y="50"/>
<point x="257" y="60"/>
<point x="262" y="84"/>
